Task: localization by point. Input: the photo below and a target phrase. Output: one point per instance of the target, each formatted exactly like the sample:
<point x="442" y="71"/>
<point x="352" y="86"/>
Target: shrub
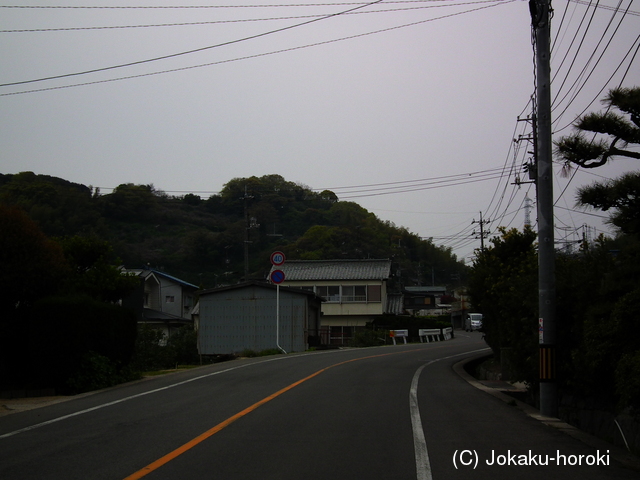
<point x="96" y="372"/>
<point x="184" y="343"/>
<point x="64" y="330"/>
<point x="149" y="352"/>
<point x="628" y="381"/>
<point x="369" y="338"/>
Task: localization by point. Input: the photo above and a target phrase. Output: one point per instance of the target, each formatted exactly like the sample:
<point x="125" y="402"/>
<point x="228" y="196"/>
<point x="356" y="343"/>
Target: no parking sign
<point x="277" y="276"/>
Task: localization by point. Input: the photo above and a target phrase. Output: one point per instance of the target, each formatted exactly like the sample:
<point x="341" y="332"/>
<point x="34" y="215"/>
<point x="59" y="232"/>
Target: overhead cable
<point x="326" y="42"/>
<point x="188" y="52"/>
<point x="243" y="20"/>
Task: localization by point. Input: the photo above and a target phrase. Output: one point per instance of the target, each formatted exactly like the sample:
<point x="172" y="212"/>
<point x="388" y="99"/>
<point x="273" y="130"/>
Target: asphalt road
<point x="379" y="413"/>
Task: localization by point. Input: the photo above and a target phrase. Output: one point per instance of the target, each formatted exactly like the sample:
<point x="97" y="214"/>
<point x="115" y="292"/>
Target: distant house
<point x="162" y="301"/>
<point x="355" y="292"/>
<point x="423" y="300"/>
<point x="244" y="316"/>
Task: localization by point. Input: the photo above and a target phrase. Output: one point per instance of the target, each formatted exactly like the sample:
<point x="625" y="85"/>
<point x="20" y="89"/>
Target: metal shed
<point x="243" y="316"/>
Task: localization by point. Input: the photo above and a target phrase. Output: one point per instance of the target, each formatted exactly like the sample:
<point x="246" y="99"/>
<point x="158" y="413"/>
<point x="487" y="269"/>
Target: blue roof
<point x="144" y="272"/>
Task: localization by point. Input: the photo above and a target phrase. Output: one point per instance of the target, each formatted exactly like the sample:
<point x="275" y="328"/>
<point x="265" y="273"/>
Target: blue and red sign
<point x="277" y="276"/>
<point x="277" y="258"/>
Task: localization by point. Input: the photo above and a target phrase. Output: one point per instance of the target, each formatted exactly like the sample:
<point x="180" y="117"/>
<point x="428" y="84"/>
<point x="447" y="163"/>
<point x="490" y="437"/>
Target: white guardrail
<point x="426" y="334"/>
<point x="433" y="334"/>
<point x="399" y="334"/>
<point x="429" y="334"/>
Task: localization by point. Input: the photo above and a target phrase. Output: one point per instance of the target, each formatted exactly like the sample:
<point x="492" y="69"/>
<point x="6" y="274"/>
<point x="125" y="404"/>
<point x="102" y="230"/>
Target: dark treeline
<point x="201" y="240"/>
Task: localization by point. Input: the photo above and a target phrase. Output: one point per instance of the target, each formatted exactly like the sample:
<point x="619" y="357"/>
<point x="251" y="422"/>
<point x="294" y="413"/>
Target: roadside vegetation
<point x="598" y="294"/>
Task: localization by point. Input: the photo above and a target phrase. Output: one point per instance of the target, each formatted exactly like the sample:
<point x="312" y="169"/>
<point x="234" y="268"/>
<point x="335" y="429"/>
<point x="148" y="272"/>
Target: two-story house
<point x="355" y="292"/>
<point x="162" y="301"/>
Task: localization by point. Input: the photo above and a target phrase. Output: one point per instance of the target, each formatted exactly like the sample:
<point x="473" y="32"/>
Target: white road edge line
<point x="423" y="465"/>
<point x="98" y="407"/>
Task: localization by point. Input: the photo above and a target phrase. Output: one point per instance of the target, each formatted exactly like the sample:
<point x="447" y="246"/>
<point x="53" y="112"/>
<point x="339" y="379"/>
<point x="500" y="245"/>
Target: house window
<point x="330" y="293"/>
<point x="188" y="302"/>
<point x="169" y="299"/>
<point x="374" y="293"/>
<point x="354" y="293"/>
<point x="147" y="299"/>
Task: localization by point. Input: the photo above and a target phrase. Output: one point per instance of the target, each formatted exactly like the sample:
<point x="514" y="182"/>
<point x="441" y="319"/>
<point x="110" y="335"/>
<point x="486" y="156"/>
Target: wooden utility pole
<point x="541" y="25"/>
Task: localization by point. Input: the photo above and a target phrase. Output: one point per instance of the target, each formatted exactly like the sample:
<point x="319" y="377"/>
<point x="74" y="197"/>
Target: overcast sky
<point x="409" y="108"/>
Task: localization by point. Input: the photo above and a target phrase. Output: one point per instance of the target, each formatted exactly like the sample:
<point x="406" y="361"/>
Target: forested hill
<point x="201" y="240"/>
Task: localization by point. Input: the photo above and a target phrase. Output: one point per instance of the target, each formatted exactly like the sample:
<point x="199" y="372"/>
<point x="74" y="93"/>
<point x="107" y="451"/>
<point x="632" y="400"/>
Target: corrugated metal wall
<point x="245" y="318"/>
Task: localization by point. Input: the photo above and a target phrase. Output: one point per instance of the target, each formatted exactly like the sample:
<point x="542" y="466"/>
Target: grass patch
<point x="179" y="368"/>
<point x="248" y="353"/>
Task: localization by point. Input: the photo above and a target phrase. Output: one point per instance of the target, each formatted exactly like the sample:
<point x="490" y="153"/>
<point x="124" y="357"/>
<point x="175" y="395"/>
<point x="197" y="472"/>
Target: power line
<point x="418" y="181"/>
<point x="606" y="83"/>
<point x="188" y="52"/>
<point x="602" y="6"/>
<point x="191" y="7"/>
<point x="399" y="184"/>
<point x="243" y="20"/>
<point x="583" y="71"/>
<point x="326" y="42"/>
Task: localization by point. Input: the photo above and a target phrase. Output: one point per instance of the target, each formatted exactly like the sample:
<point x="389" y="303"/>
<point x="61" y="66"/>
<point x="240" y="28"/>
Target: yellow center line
<point x="202" y="437"/>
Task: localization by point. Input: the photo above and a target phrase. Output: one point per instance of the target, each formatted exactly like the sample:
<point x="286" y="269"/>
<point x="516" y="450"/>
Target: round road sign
<point x="277" y="258"/>
<point x="277" y="276"/>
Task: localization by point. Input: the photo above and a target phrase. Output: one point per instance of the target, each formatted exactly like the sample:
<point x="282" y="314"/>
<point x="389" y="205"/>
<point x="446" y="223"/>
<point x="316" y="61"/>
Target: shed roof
<point x="269" y="286"/>
<point x="335" y="269"/>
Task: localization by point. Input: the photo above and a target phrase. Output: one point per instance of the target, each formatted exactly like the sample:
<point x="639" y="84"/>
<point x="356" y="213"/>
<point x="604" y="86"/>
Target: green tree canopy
<point x="622" y="195"/>
<point x="619" y="131"/>
<point x="503" y="287"/>
<point x="33" y="265"/>
<point x="94" y="269"/>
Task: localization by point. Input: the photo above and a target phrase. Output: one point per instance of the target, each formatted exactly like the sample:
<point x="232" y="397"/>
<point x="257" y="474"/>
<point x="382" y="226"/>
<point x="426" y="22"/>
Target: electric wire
<point x="568" y="49"/>
<point x="608" y="81"/>
<point x="575" y="56"/>
<point x="190" y="7"/>
<point x="602" y="6"/>
<point x="243" y="20"/>
<point x="583" y="83"/>
<point x="326" y="42"/>
<point x="189" y="52"/>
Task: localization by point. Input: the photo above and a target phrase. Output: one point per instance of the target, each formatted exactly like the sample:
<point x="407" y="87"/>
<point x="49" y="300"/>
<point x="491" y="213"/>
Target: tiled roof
<point x="335" y="269"/>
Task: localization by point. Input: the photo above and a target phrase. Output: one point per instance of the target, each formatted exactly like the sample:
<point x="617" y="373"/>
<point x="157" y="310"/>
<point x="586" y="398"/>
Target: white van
<point x="473" y="322"/>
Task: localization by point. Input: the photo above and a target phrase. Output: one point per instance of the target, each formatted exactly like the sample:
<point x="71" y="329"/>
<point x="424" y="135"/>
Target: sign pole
<point x="277" y="277"/>
<point x="278" y="319"/>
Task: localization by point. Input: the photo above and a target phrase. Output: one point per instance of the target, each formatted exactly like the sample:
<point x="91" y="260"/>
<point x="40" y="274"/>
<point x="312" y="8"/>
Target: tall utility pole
<point x="482" y="232"/>
<point x="246" y="234"/>
<point x="541" y="25"/>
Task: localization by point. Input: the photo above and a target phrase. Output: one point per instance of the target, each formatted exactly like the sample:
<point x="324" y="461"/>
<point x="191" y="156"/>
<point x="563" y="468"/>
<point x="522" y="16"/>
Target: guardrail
<point x="399" y="334"/>
<point x="429" y="334"/>
<point x="447" y="333"/>
<point x="426" y="334"/>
